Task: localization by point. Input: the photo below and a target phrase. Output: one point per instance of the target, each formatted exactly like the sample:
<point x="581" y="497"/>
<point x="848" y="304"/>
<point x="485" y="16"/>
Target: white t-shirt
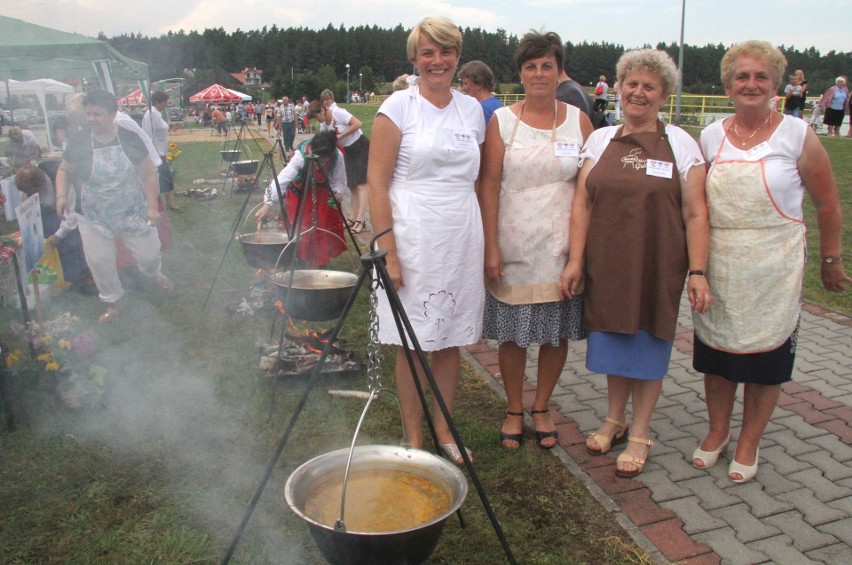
<point x="340" y="119"/>
<point x="686" y="151"/>
<point x="154" y="125"/>
<point x="336" y="177"/>
<point x="400" y="109"/>
<point x="781" y="169"/>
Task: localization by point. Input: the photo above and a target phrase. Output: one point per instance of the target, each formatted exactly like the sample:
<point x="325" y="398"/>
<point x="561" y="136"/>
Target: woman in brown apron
<point x="641" y="218"/>
<point x="531" y="153"/>
<point x="761" y="165"/>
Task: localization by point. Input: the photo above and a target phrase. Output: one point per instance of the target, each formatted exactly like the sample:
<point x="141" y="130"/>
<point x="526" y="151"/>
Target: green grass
<point x="164" y="469"/>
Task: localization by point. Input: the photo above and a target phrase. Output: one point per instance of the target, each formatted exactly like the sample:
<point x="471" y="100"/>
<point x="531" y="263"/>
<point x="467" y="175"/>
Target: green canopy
<point x="29" y="52"/>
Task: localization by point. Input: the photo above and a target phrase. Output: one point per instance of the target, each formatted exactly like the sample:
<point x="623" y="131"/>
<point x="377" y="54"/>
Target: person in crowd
<point x="355" y="146"/>
<point x="400" y="82"/>
<point x="803" y="83"/>
<point x="571" y="92"/>
<point x="221" y="121"/>
<point x="477" y="80"/>
<point x="158" y="129"/>
<point x="529" y="173"/>
<point x="22" y="147"/>
<point x="424" y="166"/>
<point x="288" y="124"/>
<point x="792" y="96"/>
<point x="835" y="103"/>
<point x="601" y="90"/>
<point x="61" y="234"/>
<point x="639" y="222"/>
<point x="119" y="197"/>
<point x="269" y="116"/>
<point x="757" y="252"/>
<point x="328" y="177"/>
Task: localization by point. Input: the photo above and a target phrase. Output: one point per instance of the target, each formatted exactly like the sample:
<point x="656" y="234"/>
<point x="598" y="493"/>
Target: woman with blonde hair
<point x="424" y="163"/>
<point x="757" y="252"/>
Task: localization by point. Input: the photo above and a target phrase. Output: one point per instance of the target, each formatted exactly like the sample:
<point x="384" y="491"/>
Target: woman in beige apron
<point x="424" y="162"/>
<point x="761" y="165"/>
<point x="529" y="175"/>
<point x="640" y="217"/>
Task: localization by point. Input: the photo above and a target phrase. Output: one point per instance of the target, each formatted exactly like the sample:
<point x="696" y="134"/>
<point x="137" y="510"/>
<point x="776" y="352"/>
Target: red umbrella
<point x="135" y="98"/>
<point x="215" y="94"/>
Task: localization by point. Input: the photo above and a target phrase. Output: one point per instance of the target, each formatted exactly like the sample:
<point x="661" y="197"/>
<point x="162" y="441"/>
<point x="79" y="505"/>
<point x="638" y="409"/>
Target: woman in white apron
<point x="424" y="161"/>
<point x="119" y="197"/>
<point x="531" y="153"/>
<point x="761" y="164"/>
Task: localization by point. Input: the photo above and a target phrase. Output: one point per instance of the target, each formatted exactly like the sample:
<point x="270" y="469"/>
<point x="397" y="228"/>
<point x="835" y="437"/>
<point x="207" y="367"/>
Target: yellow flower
<point x="172" y="146"/>
<point x="64" y="344"/>
<point x="13" y="357"/>
<point x="52" y="366"/>
<point x="47" y="339"/>
<point x="45" y="357"/>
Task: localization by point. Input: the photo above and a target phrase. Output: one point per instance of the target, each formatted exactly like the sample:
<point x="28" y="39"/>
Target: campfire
<point x="300" y="352"/>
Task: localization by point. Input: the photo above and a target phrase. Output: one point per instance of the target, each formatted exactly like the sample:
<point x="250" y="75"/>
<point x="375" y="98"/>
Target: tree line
<point x="301" y="61"/>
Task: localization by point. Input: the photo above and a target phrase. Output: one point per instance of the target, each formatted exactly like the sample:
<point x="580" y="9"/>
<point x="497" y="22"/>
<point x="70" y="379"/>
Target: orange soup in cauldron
<point x="378" y="500"/>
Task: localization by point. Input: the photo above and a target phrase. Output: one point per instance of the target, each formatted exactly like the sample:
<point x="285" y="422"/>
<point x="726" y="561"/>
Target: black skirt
<point x="355" y="156"/>
<point x="833" y="117"/>
<point x="766" y="368"/>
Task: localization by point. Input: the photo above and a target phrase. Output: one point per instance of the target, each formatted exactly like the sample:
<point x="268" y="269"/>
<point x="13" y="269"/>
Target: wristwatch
<point x="831" y="260"/>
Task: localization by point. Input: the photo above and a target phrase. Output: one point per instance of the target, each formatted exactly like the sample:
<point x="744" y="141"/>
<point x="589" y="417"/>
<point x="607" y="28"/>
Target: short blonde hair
<point x="754" y="48"/>
<point x="441" y="31"/>
<point x="653" y="60"/>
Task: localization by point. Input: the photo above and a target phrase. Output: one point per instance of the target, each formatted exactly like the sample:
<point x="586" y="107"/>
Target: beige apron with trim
<point x="756" y="266"/>
<point x="532" y="223"/>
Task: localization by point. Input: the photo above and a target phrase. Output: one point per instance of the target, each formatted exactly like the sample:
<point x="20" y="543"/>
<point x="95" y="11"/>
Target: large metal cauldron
<point x="315" y="295"/>
<point x="231" y="155"/>
<point x="404" y="547"/>
<point x="265" y="249"/>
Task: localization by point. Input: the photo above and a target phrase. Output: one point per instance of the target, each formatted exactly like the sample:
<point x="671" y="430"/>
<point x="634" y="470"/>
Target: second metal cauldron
<point x="315" y="295"/>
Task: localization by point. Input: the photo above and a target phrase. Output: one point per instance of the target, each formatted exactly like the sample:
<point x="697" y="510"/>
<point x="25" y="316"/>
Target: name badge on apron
<point x="463" y="140"/>
<point x="566" y="149"/>
<point x="662" y="169"/>
<point x="758" y="152"/>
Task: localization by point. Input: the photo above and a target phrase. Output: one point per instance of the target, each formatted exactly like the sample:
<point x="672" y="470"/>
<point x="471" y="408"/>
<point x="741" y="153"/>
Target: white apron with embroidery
<point x="757" y="262"/>
<point x="532" y="225"/>
<point x="438" y="231"/>
<point x="112" y="199"/>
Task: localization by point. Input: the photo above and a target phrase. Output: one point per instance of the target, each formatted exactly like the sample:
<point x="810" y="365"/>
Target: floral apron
<point x="535" y="209"/>
<point x="757" y="262"/>
<point x="112" y="198"/>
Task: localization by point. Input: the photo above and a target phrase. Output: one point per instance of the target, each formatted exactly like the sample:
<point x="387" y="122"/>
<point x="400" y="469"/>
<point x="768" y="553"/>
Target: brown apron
<point x="636" y="257"/>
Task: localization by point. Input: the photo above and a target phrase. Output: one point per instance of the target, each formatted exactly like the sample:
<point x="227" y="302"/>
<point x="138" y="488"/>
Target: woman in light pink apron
<point x="761" y="164"/>
<point x="531" y="153"/>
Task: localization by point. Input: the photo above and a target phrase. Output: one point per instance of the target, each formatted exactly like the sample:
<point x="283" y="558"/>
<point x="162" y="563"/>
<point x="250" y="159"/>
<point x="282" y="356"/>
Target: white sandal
<point x="709" y="458"/>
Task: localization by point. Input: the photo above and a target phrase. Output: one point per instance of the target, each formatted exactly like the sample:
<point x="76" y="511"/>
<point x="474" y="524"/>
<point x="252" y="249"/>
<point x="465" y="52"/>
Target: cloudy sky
<point x="630" y="23"/>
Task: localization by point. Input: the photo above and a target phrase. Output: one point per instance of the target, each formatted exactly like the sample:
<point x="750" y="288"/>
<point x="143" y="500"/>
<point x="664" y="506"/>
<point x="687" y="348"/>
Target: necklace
<point x="743" y="140"/>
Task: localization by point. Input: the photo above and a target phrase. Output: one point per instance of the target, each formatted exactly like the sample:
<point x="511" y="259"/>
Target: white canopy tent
<point x="243" y="95"/>
<point x="40" y="88"/>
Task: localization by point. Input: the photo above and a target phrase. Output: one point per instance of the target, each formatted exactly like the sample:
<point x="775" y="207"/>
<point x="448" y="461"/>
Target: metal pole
<point x="680" y="64"/>
<point x="347" y="83"/>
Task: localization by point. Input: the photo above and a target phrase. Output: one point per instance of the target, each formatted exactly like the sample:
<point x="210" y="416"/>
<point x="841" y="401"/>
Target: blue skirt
<point x="638" y="356"/>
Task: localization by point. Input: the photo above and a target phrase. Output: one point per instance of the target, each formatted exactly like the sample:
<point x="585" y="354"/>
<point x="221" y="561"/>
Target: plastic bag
<point x="51" y="261"/>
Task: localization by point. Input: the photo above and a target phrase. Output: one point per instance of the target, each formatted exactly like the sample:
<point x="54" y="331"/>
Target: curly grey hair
<point x="653" y="60"/>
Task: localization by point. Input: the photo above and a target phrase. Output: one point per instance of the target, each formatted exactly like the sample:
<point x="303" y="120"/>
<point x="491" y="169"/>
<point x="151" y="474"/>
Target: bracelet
<point x="830" y="260"/>
<point x="696" y="273"/>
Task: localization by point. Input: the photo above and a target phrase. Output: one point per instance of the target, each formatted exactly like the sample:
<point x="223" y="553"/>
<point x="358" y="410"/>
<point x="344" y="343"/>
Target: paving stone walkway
<point x="798" y="509"/>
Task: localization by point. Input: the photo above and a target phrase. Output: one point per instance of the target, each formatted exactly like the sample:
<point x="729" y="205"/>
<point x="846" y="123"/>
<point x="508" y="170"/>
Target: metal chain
<point x="374" y="351"/>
